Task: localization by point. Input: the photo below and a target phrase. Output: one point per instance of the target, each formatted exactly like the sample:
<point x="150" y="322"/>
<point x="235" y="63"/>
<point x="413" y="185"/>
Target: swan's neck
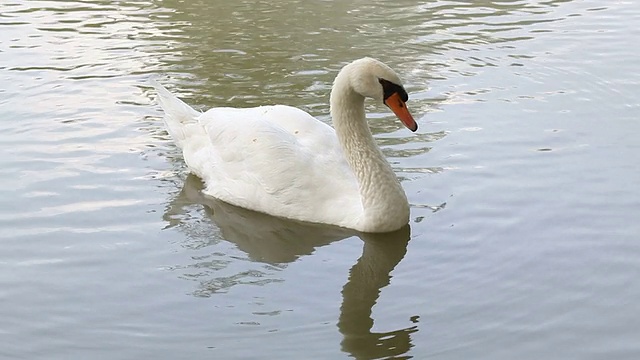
<point x="384" y="202"/>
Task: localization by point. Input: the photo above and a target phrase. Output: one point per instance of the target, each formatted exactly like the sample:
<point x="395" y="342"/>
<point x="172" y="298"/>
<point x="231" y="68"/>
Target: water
<point x="528" y="118"/>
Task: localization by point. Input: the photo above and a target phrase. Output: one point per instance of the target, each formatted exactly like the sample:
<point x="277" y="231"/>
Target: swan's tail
<point x="177" y="114"/>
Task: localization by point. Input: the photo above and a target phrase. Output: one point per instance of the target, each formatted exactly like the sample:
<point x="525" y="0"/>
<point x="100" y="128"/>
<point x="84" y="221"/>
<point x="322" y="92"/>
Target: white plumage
<point x="282" y="161"/>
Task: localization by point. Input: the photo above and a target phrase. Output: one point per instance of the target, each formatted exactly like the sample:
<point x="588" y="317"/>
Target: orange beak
<point x="399" y="107"/>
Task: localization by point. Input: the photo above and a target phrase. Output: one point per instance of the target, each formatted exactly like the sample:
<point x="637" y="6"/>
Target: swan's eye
<point x="389" y="88"/>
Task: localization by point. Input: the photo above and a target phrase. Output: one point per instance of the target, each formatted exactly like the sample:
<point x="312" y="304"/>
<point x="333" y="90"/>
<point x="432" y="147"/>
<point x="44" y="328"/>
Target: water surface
<point x="528" y="118"/>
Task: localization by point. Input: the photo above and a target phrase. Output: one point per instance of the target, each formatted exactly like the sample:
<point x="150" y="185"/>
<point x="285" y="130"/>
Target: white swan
<point x="282" y="161"/>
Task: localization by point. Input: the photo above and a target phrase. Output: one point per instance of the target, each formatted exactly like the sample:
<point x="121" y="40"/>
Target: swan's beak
<point x="399" y="107"/>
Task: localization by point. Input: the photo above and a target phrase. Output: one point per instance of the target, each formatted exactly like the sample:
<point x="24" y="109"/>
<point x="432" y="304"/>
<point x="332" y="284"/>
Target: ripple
<point x="527" y="113"/>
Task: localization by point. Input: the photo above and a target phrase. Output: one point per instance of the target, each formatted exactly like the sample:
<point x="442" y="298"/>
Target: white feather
<point x="281" y="161"/>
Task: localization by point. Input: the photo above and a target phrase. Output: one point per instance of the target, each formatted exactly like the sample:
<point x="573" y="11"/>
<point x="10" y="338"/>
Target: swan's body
<point x="281" y="161"/>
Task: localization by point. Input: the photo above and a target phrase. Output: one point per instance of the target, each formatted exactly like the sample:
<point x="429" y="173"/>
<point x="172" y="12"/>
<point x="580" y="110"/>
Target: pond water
<point x="523" y="180"/>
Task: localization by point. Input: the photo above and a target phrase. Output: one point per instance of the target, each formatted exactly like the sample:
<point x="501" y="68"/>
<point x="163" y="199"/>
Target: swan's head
<point x="372" y="78"/>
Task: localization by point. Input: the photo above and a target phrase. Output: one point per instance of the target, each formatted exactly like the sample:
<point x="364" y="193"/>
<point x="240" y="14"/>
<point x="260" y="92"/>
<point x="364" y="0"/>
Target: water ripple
<point x="527" y="114"/>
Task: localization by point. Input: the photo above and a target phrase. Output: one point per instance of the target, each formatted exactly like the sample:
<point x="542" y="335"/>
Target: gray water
<point x="523" y="180"/>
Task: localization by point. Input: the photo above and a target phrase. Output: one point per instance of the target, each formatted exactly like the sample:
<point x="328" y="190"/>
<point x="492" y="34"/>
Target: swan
<point x="281" y="161"/>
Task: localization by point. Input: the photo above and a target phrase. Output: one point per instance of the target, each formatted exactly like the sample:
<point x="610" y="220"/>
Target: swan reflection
<point x="380" y="255"/>
<point x="277" y="241"/>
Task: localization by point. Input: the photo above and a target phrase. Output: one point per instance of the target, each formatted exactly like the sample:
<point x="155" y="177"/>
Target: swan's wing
<point x="312" y="134"/>
<point x="275" y="159"/>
